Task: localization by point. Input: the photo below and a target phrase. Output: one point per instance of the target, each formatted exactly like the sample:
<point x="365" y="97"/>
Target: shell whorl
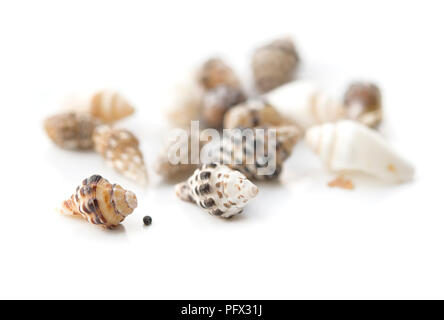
<point x="120" y="148"/>
<point x="110" y="106"/>
<point x="100" y="202"/>
<point x="218" y="189"/>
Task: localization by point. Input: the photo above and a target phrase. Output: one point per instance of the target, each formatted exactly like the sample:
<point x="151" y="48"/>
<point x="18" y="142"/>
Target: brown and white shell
<point x="219" y="190"/>
<point x="274" y="64"/>
<point x="120" y="148"/>
<point x="259" y="158"/>
<point x="363" y="103"/>
<point x="71" y="130"/>
<point x="100" y="202"/>
<point x="251" y="114"/>
<point x="217" y="101"/>
<point x="215" y="72"/>
<point x="110" y="106"/>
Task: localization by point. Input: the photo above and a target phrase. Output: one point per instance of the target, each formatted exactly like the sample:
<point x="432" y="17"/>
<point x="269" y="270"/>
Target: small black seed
<point x="147" y="220"/>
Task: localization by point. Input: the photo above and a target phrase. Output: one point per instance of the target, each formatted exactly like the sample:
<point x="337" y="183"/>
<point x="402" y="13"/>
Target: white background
<point x="298" y="238"/>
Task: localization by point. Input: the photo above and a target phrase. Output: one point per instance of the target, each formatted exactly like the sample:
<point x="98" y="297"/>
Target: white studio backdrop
<point x="298" y="238"/>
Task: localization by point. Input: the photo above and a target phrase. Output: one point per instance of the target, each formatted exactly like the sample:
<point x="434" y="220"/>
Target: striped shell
<point x="274" y="64"/>
<point x="71" y="130"/>
<point x="110" y="106"/>
<point x="362" y="102"/>
<point x="100" y="202"/>
<point x="215" y="72"/>
<point x="246" y="155"/>
<point x="120" y="148"/>
<point x="219" y="190"/>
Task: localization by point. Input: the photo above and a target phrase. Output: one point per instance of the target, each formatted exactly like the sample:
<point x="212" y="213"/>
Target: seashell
<point x="259" y="158"/>
<point x="274" y="64"/>
<point x="363" y="103"/>
<point x="215" y="72"/>
<point x="304" y="104"/>
<point x="100" y="202"/>
<point x="110" y="106"/>
<point x="71" y="130"/>
<point x="218" y="189"/>
<point x="348" y="146"/>
<point x="217" y="101"/>
<point x="253" y="113"/>
<point x="120" y="148"/>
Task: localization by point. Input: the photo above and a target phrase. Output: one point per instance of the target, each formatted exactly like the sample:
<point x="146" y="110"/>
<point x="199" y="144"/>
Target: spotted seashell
<point x="100" y="202"/>
<point x="110" y="106"/>
<point x="363" y="103"/>
<point x="71" y="130"/>
<point x="251" y="114"/>
<point x="215" y="72"/>
<point x="217" y="101"/>
<point x="259" y="158"/>
<point x="274" y="64"/>
<point x="219" y="190"/>
<point x="120" y="148"/>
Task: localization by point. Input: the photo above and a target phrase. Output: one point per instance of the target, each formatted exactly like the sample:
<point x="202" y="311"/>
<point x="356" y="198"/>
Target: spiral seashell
<point x="274" y="64"/>
<point x="258" y="157"/>
<point x="120" y="148"/>
<point x="110" y="106"/>
<point x="219" y="190"/>
<point x="348" y="146"/>
<point x="71" y="130"/>
<point x="217" y="101"/>
<point x="304" y="104"/>
<point x="363" y="103"/>
<point x="251" y="114"/>
<point x="100" y="202"/>
<point x="215" y="72"/>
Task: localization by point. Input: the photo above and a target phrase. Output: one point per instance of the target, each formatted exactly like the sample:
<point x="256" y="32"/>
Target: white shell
<point x="350" y="146"/>
<point x="218" y="189"/>
<point x="305" y="104"/>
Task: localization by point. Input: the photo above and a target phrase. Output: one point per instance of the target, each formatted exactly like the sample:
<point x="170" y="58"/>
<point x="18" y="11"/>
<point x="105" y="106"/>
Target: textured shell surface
<point x="348" y="146"/>
<point x="363" y="102"/>
<point x="251" y="114"/>
<point x="219" y="190"/>
<point x="217" y="101"/>
<point x="305" y="104"/>
<point x="100" y="202"/>
<point x="110" y="106"/>
<point x="274" y="64"/>
<point x="120" y="148"/>
<point x="257" y="157"/>
<point x="215" y="72"/>
<point x="71" y="130"/>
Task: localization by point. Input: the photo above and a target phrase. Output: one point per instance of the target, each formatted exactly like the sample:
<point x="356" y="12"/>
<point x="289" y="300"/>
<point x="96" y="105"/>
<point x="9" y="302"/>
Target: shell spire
<point x="120" y="148"/>
<point x="100" y="202"/>
<point x="348" y="146"/>
<point x="219" y="190"/>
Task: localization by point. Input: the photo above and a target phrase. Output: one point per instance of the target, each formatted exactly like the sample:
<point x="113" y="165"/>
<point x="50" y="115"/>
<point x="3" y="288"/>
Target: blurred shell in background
<point x="219" y="190"/>
<point x="110" y="106"/>
<point x="363" y="103"/>
<point x="71" y="130"/>
<point x="120" y="148"/>
<point x="274" y="64"/>
<point x="100" y="202"/>
<point x="215" y="72"/>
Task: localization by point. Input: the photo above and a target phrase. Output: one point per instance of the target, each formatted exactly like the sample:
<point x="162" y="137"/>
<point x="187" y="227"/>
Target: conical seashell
<point x="258" y="157"/>
<point x="100" y="202"/>
<point x="274" y="64"/>
<point x="304" y="104"/>
<point x="362" y="101"/>
<point x="71" y="130"/>
<point x="253" y="113"/>
<point x="348" y="146"/>
<point x="110" y="106"/>
<point x="217" y="101"/>
<point x="120" y="148"/>
<point x="218" y="189"/>
<point x="215" y="72"/>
